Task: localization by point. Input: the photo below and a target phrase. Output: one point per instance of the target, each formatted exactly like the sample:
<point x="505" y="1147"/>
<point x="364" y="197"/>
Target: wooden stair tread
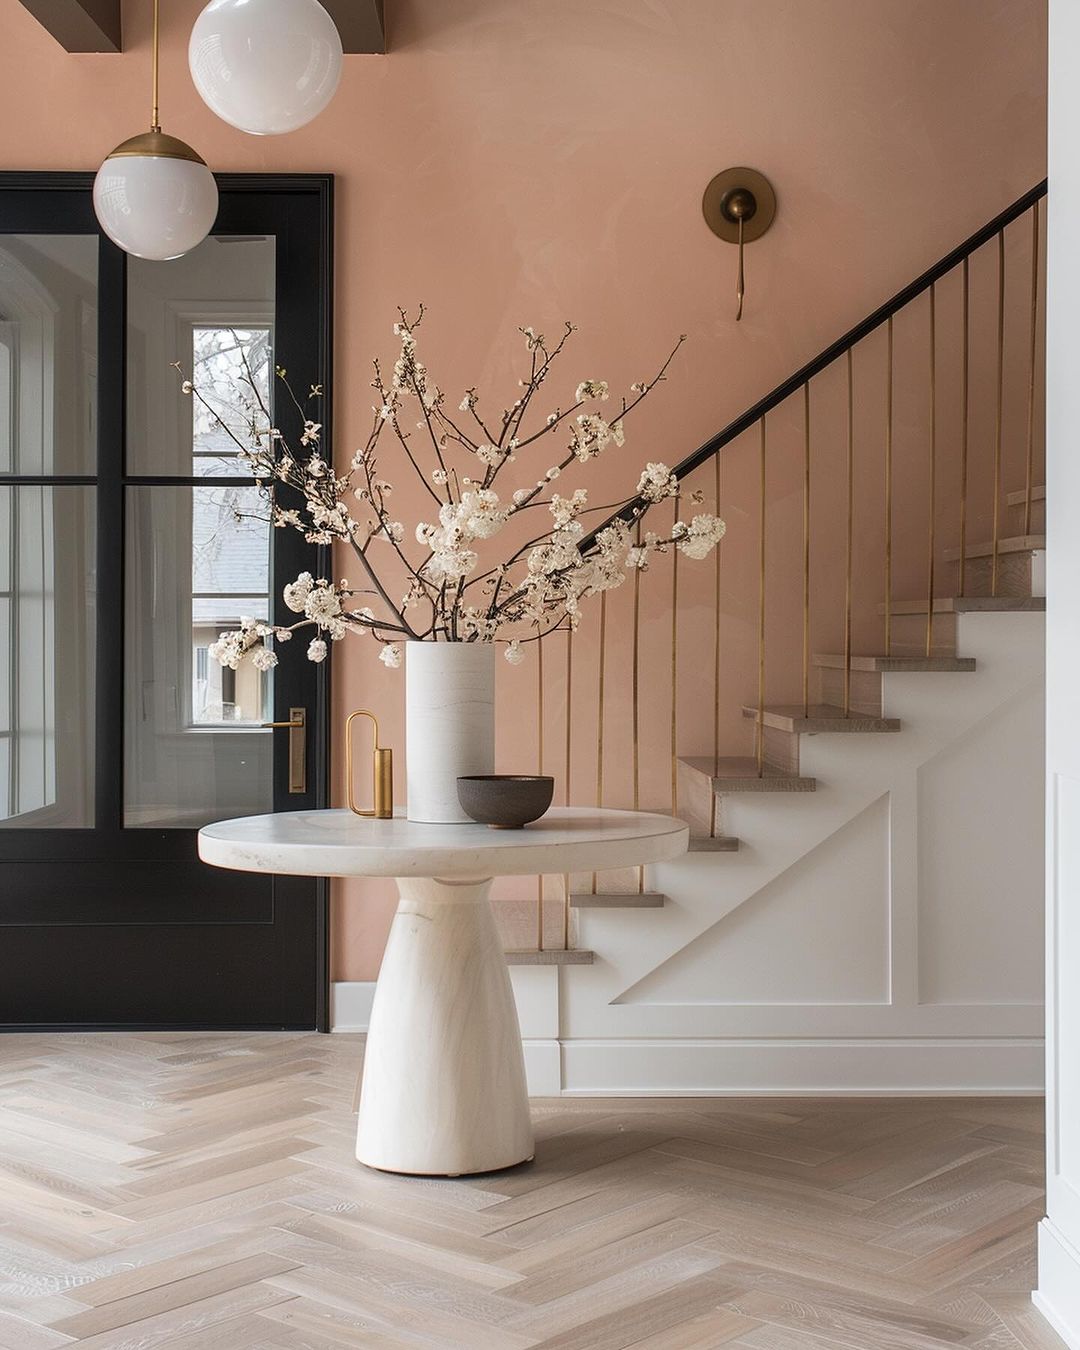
<point x="713" y="843"/>
<point x="885" y="665"/>
<point x="970" y="604"/>
<point x="739" y="773"/>
<point x="1020" y="543"/>
<point x="1038" y="494"/>
<point x="618" y="900"/>
<point x="551" y="956"/>
<point x="821" y="717"/>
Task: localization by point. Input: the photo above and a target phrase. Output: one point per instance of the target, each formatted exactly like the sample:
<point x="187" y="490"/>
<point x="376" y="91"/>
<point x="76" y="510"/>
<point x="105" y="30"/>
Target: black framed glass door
<point x="129" y="536"/>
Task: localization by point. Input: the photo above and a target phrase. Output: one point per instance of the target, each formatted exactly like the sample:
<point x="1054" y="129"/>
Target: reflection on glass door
<point x="198" y="545"/>
<point x="48" y="428"/>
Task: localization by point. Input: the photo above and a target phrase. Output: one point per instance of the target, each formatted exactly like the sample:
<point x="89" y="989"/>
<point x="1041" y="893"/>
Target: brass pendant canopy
<point x="158" y="144"/>
<point x="739" y="195"/>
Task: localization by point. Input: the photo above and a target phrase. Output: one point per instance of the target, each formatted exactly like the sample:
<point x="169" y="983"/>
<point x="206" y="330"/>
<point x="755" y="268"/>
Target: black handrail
<point x="854" y="335"/>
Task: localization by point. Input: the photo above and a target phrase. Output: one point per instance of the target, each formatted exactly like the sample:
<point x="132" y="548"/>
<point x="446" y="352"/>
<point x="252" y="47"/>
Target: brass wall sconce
<point x="382" y="771"/>
<point x="739" y="205"/>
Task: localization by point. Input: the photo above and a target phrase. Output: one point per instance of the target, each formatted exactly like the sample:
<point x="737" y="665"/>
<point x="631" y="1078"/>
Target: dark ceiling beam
<point x="361" y="24"/>
<point x="80" y="25"/>
<point x="94" y="25"/>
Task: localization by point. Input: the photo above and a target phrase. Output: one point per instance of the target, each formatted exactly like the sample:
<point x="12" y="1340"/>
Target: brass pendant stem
<point x="155" y="123"/>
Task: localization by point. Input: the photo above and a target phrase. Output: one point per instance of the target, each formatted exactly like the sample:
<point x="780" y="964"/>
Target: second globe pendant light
<point x="154" y="195"/>
<point x="265" y="66"/>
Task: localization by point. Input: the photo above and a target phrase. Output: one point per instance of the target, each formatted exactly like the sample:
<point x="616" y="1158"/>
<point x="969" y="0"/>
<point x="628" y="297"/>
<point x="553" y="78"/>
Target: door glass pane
<point x="212" y="313"/>
<point x="47" y="539"/>
<point x="48" y="353"/>
<point x="198" y="559"/>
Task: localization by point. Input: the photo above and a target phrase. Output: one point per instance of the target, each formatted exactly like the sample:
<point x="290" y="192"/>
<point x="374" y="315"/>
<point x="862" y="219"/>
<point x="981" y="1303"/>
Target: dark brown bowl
<point x="505" y="801"/>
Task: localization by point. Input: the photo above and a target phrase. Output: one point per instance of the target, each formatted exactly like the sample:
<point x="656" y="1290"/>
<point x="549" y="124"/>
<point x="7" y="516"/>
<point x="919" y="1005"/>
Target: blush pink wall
<point x="529" y="161"/>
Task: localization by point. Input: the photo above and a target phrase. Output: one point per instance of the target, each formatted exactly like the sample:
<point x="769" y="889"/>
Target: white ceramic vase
<point x="449" y="724"/>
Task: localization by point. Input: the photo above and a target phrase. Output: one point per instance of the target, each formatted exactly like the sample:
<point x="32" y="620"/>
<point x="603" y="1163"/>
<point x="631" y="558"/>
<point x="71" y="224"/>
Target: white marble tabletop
<point x="341" y="844"/>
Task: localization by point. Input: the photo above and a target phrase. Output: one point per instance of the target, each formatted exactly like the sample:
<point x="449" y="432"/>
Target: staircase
<point x="947" y="542"/>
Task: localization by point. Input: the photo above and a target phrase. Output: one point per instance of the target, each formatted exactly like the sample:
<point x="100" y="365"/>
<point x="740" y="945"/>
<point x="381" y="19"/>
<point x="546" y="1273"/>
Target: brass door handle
<point x="297" y="725"/>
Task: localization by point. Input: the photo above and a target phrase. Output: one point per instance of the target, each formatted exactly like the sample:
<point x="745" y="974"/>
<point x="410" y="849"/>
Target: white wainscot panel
<point x="818" y="933"/>
<point x="980" y="831"/>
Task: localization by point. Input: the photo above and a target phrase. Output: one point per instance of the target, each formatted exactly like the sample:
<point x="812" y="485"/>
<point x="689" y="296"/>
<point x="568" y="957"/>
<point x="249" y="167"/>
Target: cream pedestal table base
<point x="444" y="1079"/>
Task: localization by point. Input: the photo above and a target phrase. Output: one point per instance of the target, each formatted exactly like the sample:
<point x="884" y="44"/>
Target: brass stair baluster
<point x="806" y="552"/>
<point x="932" y="502"/>
<point x="997" y="422"/>
<point x="889" y="379"/>
<point x="760" y="738"/>
<point x="850" y="529"/>
<point x="965" y="419"/>
<point x="1029" y="476"/>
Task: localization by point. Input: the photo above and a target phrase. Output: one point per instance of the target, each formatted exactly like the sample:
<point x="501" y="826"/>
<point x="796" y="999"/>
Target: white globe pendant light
<point x="265" y="66"/>
<point x="154" y="196"/>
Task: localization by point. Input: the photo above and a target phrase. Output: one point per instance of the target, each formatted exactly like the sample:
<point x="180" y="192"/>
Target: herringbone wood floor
<point x="200" y="1191"/>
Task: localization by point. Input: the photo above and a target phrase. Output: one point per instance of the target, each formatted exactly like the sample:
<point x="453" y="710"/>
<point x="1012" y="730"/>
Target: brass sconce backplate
<point x="739" y="194"/>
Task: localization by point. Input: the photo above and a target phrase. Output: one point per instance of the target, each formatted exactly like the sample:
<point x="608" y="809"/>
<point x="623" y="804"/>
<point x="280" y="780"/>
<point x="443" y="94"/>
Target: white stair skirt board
<point x="1058" y="1295"/>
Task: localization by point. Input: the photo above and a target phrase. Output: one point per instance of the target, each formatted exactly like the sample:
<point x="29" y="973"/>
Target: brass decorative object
<point x="739" y="205"/>
<point x="382" y="770"/>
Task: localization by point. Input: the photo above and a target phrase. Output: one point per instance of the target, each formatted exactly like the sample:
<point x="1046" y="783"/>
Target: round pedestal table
<point x="443" y="1089"/>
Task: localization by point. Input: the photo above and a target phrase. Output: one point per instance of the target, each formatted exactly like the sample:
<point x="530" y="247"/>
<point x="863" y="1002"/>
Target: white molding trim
<point x="350" y="1004"/>
<point x="893" y="1067"/>
<point x="773" y="1066"/>
<point x="1058" y="1295"/>
<point x="543" y="1067"/>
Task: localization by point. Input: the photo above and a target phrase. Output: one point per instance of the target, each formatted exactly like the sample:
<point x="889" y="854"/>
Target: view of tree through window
<point x="230" y="537"/>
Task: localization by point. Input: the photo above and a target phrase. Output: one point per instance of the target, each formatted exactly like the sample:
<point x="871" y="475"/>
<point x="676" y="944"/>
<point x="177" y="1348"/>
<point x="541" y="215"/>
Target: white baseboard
<point x="1058" y="1295"/>
<point x="810" y="1067"/>
<point x="350" y="1004"/>
<point x="543" y="1068"/>
<point x="942" y="1066"/>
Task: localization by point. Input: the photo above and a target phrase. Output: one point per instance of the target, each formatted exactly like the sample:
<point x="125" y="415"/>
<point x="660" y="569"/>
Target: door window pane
<point x="198" y="560"/>
<point x="48" y="353"/>
<point x="46" y="656"/>
<point x="211" y="312"/>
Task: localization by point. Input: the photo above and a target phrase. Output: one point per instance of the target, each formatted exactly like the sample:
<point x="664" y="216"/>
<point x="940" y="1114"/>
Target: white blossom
<point x="390" y="655"/>
<point x="591" y="389"/>
<point x="638" y="557"/>
<point x="657" y="482"/>
<point x="317" y="650"/>
<point x="591" y="437"/>
<point x="701" y="537"/>
<point x="565" y="509"/>
<point x="513" y="652"/>
<point x="323" y="605"/>
<point x="296" y="592"/>
<point x="262" y="658"/>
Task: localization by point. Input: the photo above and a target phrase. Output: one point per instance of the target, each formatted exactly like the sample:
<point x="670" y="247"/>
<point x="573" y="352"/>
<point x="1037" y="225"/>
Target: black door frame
<point x="61" y="202"/>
